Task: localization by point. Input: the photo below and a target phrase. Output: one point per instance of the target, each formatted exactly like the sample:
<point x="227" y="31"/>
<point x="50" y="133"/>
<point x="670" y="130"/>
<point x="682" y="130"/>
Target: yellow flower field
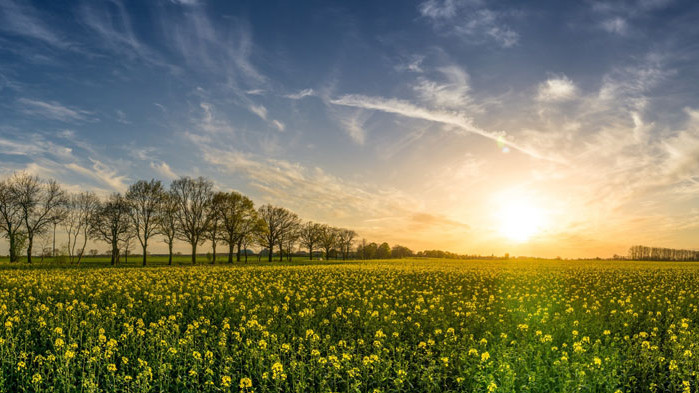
<point x="403" y="326"/>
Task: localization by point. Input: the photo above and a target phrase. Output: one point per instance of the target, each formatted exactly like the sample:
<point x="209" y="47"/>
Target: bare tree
<point x="290" y="237"/>
<point x="278" y="221"/>
<point x="328" y="239"/>
<point x="309" y="235"/>
<point x="111" y="223"/>
<point x="213" y="230"/>
<point x="235" y="211"/>
<point x="40" y="204"/>
<point x="345" y="238"/>
<point x="144" y="200"/>
<point x="10" y="216"/>
<point x="166" y="221"/>
<point x="193" y="198"/>
<point x="79" y="211"/>
<point x="254" y="229"/>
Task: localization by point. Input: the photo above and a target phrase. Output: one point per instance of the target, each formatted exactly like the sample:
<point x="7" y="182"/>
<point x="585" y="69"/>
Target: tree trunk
<point x="231" y="247"/>
<point x="53" y="247"/>
<point x="194" y="253"/>
<point x="270" y="250"/>
<point x="114" y="253"/>
<point x="237" y="256"/>
<point x="281" y="253"/>
<point x="213" y="248"/>
<point x="144" y="253"/>
<point x="169" y="246"/>
<point x="30" y="243"/>
<point x="310" y="252"/>
<point x="13" y="251"/>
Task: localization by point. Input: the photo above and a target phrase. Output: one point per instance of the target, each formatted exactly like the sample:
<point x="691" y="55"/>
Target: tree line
<point x="643" y="253"/>
<point x="189" y="211"/>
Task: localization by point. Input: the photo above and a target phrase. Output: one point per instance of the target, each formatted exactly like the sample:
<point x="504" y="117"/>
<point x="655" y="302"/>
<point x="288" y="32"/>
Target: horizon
<point x="464" y="126"/>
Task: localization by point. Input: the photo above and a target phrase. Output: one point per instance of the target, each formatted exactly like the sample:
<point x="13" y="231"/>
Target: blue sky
<point x="419" y="123"/>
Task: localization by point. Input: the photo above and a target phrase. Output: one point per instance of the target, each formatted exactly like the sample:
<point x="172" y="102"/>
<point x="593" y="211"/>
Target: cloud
<point x="116" y="33"/>
<point x="121" y="117"/>
<point x="301" y="94"/>
<point x="452" y="94"/>
<point x="102" y="173"/>
<point x="354" y="126"/>
<point x="557" y="89"/>
<point x="259" y="110"/>
<point x="407" y="109"/>
<point x="21" y="19"/>
<point x="469" y="19"/>
<point x="616" y="25"/>
<point x="53" y="110"/>
<point x="163" y="169"/>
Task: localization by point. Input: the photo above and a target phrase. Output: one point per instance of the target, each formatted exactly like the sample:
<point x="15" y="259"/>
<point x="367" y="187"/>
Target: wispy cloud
<point x="404" y="108"/>
<point x="164" y="170"/>
<point x="451" y="94"/>
<point x="558" y="88"/>
<point x="23" y="20"/>
<point x="53" y="110"/>
<point x="469" y="19"/>
<point x="301" y="94"/>
<point x="102" y="173"/>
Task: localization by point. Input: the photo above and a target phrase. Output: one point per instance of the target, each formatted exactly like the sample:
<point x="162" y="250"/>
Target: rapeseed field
<point x="403" y="326"/>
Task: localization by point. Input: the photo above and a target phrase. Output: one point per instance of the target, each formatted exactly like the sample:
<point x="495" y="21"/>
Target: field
<point x="391" y="326"/>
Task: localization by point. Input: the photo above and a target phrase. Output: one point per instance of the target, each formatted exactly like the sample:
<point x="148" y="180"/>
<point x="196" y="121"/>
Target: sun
<point x="520" y="220"/>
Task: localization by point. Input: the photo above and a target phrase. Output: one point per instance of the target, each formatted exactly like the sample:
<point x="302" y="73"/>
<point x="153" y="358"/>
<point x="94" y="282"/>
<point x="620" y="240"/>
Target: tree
<point x="399" y="251"/>
<point x="235" y="211"/>
<point x="289" y="239"/>
<point x="40" y="205"/>
<point x="309" y="235"/>
<point x="166" y="221"/>
<point x="384" y="251"/>
<point x="10" y="216"/>
<point x="144" y="199"/>
<point x="278" y="222"/>
<point x="328" y="239"/>
<point x="213" y="230"/>
<point x="79" y="212"/>
<point x="254" y="230"/>
<point x="361" y="249"/>
<point x="345" y="238"/>
<point x="111" y="223"/>
<point x="193" y="197"/>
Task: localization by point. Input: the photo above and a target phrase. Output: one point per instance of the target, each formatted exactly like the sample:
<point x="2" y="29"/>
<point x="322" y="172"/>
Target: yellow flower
<point x="226" y="381"/>
<point x="485" y="356"/>
<point x="245" y="383"/>
<point x="36" y="379"/>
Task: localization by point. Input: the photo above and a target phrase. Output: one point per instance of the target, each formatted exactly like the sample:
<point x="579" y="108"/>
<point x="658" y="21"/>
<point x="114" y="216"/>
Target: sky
<point x="542" y="128"/>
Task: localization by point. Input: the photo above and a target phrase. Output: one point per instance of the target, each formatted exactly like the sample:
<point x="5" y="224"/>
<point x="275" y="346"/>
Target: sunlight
<point x="520" y="220"/>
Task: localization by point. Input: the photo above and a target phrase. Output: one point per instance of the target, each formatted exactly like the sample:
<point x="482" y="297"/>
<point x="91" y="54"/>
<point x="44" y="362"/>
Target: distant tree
<point x="328" y="239"/>
<point x="254" y="230"/>
<point x="384" y="251"/>
<point x="288" y="236"/>
<point x="235" y="211"/>
<point x="309" y="236"/>
<point x="79" y="212"/>
<point x="166" y="221"/>
<point x="193" y="198"/>
<point x="277" y="221"/>
<point x="94" y="252"/>
<point x="213" y="230"/>
<point x="40" y="205"/>
<point x="111" y="224"/>
<point x="345" y="238"/>
<point x="144" y="199"/>
<point x="10" y="215"/>
<point x="399" y="251"/>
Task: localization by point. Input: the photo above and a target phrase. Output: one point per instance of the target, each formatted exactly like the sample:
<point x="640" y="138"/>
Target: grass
<point x="357" y="326"/>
